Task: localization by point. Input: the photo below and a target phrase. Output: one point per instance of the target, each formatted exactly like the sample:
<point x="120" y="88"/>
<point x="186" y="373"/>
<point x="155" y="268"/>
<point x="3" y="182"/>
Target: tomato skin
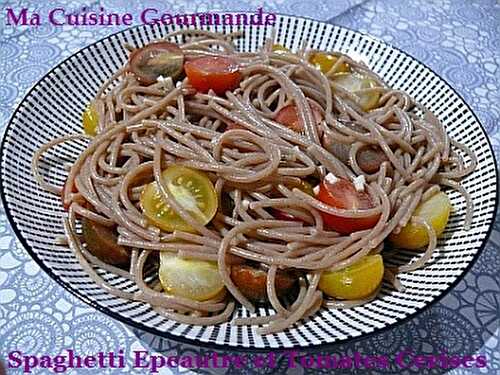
<point x="325" y="61"/>
<point x="216" y="73"/>
<point x="435" y="211"/>
<point x="289" y="116"/>
<point x="252" y="281"/>
<point x="90" y="120"/>
<point x="343" y="195"/>
<point x="147" y="73"/>
<point x="282" y="215"/>
<point x="102" y="242"/>
<point x="356" y="281"/>
<point x="370" y="158"/>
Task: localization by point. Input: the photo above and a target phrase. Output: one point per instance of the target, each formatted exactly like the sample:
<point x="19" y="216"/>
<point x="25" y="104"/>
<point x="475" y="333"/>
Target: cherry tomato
<point x="325" y="61"/>
<point x="342" y="194"/>
<point x="189" y="278"/>
<point x="354" y="83"/>
<point x="289" y="116"/>
<point x="193" y="191"/>
<point x="102" y="242"/>
<point x="252" y="281"/>
<point x="369" y="159"/>
<point x="368" y="100"/>
<point x="357" y="281"/>
<point x="90" y="120"/>
<point x="220" y="74"/>
<point x="435" y="211"/>
<point x="154" y="60"/>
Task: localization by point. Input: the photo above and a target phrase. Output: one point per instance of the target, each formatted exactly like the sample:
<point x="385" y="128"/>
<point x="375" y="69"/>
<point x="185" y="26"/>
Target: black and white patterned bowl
<point x="54" y="105"/>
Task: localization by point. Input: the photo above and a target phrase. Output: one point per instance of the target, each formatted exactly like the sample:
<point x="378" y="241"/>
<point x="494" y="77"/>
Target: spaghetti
<point x="256" y="164"/>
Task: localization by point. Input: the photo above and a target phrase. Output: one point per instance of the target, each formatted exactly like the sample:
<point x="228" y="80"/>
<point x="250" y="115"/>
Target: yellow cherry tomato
<point x="325" y="61"/>
<point x="189" y="278"/>
<point x="306" y="187"/>
<point x="354" y="83"/>
<point x="90" y="120"/>
<point x="192" y="189"/>
<point x="356" y="281"/>
<point x="435" y="211"/>
<point x="368" y="100"/>
<point x="278" y="48"/>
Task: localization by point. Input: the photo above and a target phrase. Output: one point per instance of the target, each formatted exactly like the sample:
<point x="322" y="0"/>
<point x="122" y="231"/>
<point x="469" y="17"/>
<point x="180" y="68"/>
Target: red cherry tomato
<point x="212" y="72"/>
<point x="342" y="194"/>
<point x="289" y="116"/>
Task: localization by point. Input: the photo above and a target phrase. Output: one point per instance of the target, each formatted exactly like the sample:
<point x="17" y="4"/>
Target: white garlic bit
<point x="359" y="183"/>
<point x="331" y="178"/>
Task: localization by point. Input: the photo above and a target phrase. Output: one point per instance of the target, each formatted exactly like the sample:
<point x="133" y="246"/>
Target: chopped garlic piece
<point x="331" y="178"/>
<point x="166" y="83"/>
<point x="316" y="190"/>
<point x="359" y="183"/>
<point x="245" y="204"/>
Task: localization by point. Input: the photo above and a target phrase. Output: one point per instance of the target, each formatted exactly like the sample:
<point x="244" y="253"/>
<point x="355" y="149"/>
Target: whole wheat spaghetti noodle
<point x="256" y="162"/>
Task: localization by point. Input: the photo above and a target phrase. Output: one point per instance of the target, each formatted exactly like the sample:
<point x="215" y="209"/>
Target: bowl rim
<point x="227" y="347"/>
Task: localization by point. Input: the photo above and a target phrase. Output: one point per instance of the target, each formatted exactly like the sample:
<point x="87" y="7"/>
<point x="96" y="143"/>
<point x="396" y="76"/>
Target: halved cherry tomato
<point x="193" y="191"/>
<point x="189" y="278"/>
<point x="435" y="211"/>
<point x="289" y="116"/>
<point x="220" y="74"/>
<point x="369" y="158"/>
<point x="368" y="100"/>
<point x="154" y="60"/>
<point x="90" y="120"/>
<point x="357" y="281"/>
<point x="325" y="61"/>
<point x="354" y="83"/>
<point x="102" y="242"/>
<point x="342" y="194"/>
<point x="252" y="281"/>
